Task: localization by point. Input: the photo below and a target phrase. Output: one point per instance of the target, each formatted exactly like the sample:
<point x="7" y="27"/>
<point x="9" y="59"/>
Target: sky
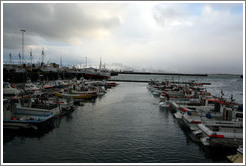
<point x="170" y="37"/>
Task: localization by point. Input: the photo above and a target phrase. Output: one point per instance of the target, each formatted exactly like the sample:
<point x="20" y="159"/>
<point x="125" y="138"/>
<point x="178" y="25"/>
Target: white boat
<point x="222" y="136"/>
<point x="178" y="115"/>
<point x="65" y="105"/>
<point x="8" y="90"/>
<point x="27" y="106"/>
<point x="156" y="92"/>
<point x="191" y="119"/>
<point x="31" y="87"/>
<point x="47" y="85"/>
<point x="60" y="84"/>
<point x="165" y="104"/>
<point x="209" y="114"/>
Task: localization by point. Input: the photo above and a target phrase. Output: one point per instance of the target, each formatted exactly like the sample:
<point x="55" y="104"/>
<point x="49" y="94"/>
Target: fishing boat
<point x="110" y="84"/>
<point x="16" y="120"/>
<point x="47" y="85"/>
<point x="75" y="95"/>
<point x="66" y="105"/>
<point x="96" y="74"/>
<point x="9" y="90"/>
<point x="206" y="114"/>
<point x="24" y="105"/>
<point x="225" y="136"/>
<point x="31" y="87"/>
<point x="60" y="84"/>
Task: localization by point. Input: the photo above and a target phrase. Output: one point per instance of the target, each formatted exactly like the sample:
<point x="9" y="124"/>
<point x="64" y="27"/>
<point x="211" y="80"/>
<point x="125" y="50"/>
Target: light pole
<point x="22" y="30"/>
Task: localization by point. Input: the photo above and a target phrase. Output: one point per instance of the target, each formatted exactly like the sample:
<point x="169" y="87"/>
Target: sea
<point x="126" y="125"/>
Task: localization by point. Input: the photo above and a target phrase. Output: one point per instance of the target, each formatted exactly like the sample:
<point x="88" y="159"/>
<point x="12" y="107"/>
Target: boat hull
<point x="76" y="96"/>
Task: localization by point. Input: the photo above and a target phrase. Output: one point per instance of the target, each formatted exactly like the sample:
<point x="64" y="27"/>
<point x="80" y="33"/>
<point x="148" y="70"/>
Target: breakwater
<point x="117" y="80"/>
<point x="150" y="73"/>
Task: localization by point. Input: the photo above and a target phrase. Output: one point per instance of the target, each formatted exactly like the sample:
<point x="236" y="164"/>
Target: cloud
<point x="57" y="22"/>
<point x="171" y="15"/>
<point x="180" y="37"/>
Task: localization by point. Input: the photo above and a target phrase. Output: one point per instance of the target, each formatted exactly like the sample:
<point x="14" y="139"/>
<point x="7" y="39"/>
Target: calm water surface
<point x="124" y="126"/>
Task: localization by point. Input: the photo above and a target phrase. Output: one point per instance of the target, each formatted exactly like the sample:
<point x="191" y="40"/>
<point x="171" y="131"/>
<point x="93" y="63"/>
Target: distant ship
<point x="96" y="74"/>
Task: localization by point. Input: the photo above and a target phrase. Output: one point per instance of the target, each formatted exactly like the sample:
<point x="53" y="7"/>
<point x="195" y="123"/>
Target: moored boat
<point x="76" y="96"/>
<point x="8" y="90"/>
<point x="16" y="120"/>
<point x="224" y="136"/>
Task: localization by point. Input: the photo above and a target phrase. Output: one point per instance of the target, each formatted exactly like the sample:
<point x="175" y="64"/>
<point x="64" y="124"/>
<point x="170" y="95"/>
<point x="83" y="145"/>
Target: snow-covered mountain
<point x="122" y="67"/>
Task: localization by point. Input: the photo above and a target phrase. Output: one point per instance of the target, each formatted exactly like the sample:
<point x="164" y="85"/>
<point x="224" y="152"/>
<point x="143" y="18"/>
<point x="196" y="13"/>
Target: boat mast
<point x="31" y="58"/>
<point x="22" y="30"/>
<point x="42" y="56"/>
<point x="60" y="62"/>
<point x="100" y="64"/>
<point x="19" y="58"/>
<point x="10" y="58"/>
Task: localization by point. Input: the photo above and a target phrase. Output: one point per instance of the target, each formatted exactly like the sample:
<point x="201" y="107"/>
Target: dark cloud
<point x="56" y="22"/>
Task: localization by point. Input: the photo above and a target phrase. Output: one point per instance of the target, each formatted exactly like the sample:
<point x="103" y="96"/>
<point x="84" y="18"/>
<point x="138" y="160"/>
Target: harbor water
<point x="126" y="125"/>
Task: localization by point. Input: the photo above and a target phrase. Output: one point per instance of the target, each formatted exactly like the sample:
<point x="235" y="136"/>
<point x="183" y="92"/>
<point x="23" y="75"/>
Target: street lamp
<point x="22" y="30"/>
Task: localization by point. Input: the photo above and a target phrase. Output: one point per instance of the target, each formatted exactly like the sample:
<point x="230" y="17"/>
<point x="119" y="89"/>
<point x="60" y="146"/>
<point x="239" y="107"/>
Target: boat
<point x="25" y="105"/>
<point x="178" y="115"/>
<point x="220" y="111"/>
<point x="14" y="120"/>
<point x="75" y="96"/>
<point x="224" y="136"/>
<point x="31" y="87"/>
<point x="110" y="84"/>
<point x="82" y="89"/>
<point x="47" y="85"/>
<point x="60" y="84"/>
<point x="66" y="105"/>
<point x="96" y="74"/>
<point x="9" y="90"/>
